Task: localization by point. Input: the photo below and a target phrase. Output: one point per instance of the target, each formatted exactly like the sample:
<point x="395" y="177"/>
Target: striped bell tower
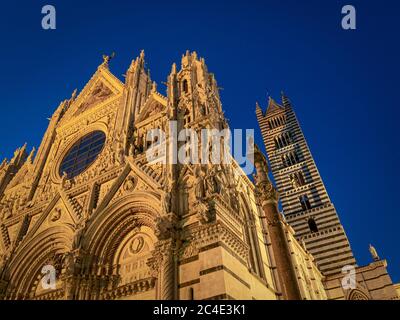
<point x="305" y="201"/>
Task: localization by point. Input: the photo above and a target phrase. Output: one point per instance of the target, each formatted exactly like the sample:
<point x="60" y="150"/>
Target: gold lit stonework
<point x="127" y="229"/>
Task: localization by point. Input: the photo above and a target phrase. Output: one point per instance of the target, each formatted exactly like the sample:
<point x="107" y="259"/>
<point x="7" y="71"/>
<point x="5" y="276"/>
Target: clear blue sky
<point x="343" y="84"/>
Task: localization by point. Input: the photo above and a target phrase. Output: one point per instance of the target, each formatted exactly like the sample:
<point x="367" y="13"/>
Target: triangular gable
<point x="101" y="88"/>
<point x="154" y="104"/>
<point x="273" y="107"/>
<point x="56" y="213"/>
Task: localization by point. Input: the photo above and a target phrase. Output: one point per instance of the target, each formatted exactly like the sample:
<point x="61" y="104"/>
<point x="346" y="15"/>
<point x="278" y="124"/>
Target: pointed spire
<point x="23" y="149"/>
<point x="154" y="87"/>
<point x="141" y="59"/>
<point x="173" y="68"/>
<point x="259" y="111"/>
<point x="132" y="66"/>
<point x="3" y="164"/>
<point x="31" y="155"/>
<point x="285" y="100"/>
<point x="74" y="94"/>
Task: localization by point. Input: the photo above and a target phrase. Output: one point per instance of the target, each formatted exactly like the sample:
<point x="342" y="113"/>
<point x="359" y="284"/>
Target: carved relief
<point x="99" y="93"/>
<point x="55" y="215"/>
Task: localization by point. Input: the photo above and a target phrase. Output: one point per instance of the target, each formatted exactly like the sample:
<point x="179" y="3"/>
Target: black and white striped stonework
<point x="305" y="201"/>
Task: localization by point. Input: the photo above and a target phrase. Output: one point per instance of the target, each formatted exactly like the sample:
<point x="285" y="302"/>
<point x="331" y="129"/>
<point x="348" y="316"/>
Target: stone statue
<point x="106" y="59"/>
<point x="121" y="153"/>
<point x="211" y="181"/>
<point x="69" y="263"/>
<point x="199" y="185"/>
<point x="7" y="211"/>
<point x="76" y="244"/>
<point x="374" y="253"/>
<point x="166" y="199"/>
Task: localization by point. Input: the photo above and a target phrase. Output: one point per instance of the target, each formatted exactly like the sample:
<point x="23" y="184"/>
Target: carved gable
<point x="98" y="94"/>
<point x="100" y="89"/>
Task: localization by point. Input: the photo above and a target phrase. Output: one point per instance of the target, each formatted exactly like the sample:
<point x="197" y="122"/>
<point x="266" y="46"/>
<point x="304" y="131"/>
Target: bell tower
<point x="305" y="201"/>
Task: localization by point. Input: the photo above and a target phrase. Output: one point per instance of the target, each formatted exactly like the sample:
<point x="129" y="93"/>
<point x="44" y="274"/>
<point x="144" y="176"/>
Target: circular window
<point x="82" y="154"/>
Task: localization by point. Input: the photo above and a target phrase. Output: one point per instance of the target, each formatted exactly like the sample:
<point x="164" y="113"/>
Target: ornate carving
<point x="80" y="230"/>
<point x="205" y="211"/>
<point x="212" y="181"/>
<point x="99" y="93"/>
<point x="189" y="250"/>
<point x="129" y="184"/>
<point x="200" y="188"/>
<point x="65" y="182"/>
<point x="165" y="226"/>
<point x="55" y="215"/>
<point x="136" y="245"/>
<point x="265" y="192"/>
<point x="166" y="199"/>
<point x="357" y="295"/>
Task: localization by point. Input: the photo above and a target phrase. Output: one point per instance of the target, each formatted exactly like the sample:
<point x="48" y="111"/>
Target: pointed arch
<point x="33" y="255"/>
<point x="356" y="294"/>
<point x="109" y="227"/>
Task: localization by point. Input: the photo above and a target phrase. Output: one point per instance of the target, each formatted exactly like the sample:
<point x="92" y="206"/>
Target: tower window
<point x="305" y="202"/>
<point x="312" y="225"/>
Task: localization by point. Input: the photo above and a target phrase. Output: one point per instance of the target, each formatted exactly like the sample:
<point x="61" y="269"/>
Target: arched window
<point x="296" y="157"/>
<point x="284" y="162"/>
<point x="305" y="202"/>
<point x="357" y="295"/>
<point x="300" y="178"/>
<point x="312" y="225"/>
<point x="292" y="158"/>
<point x="276" y="143"/>
<point x="185" y="86"/>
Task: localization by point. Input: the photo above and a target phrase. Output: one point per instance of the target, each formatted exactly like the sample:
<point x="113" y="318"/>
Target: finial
<point x="154" y="87"/>
<point x="73" y="96"/>
<point x="107" y="59"/>
<point x="173" y="68"/>
<point x="30" y="157"/>
<point x="374" y="253"/>
<point x="142" y="54"/>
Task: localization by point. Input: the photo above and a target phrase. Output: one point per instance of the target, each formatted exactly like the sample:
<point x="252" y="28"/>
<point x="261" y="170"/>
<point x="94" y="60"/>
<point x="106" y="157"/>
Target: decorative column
<point x="267" y="198"/>
<point x="163" y="266"/>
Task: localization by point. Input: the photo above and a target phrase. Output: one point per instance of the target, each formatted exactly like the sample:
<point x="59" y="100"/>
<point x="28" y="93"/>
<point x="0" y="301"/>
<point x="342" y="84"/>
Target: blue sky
<point x="343" y="84"/>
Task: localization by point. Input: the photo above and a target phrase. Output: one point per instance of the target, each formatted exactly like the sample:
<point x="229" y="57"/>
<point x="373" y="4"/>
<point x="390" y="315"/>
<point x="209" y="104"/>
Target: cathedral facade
<point x="89" y="217"/>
